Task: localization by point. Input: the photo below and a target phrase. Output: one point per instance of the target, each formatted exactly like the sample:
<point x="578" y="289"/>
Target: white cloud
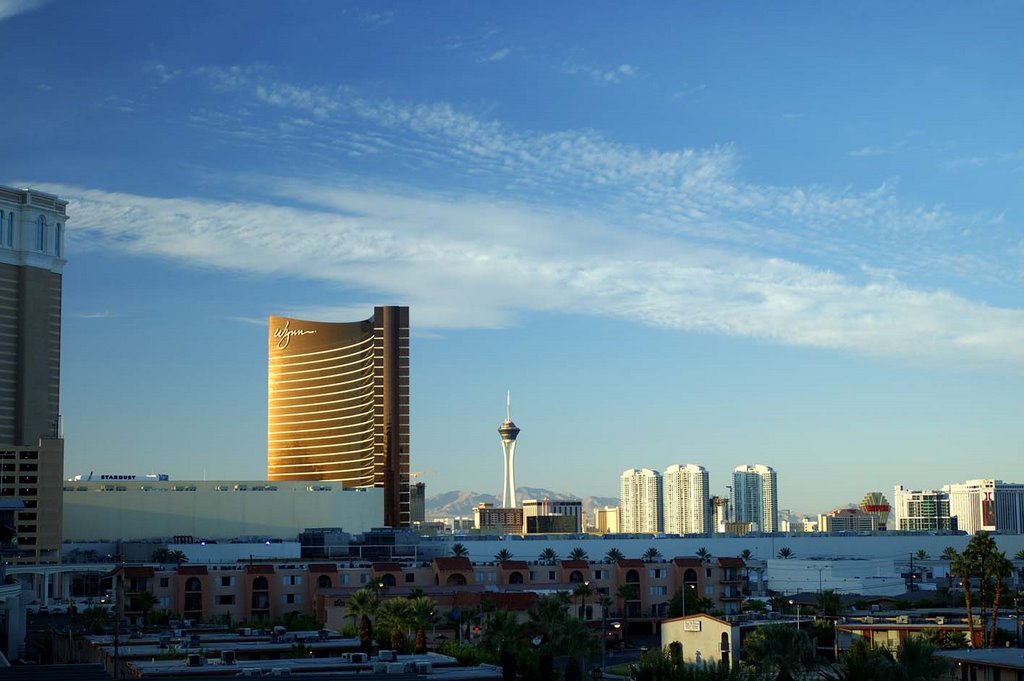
<point x="613" y="75"/>
<point x="10" y="8"/>
<point x="497" y="55"/>
<point x="446" y="254"/>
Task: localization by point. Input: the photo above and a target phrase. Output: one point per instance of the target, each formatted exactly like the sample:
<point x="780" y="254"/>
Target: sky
<point x="715" y="233"/>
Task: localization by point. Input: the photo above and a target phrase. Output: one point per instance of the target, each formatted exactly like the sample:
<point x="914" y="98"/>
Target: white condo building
<point x="686" y="502"/>
<point x="640" y="501"/>
<point x="756" y="497"/>
<point x="914" y="510"/>
<point x="990" y="505"/>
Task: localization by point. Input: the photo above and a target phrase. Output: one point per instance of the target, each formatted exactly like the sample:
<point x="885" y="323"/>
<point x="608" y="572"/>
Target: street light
<point x="792" y="602"/>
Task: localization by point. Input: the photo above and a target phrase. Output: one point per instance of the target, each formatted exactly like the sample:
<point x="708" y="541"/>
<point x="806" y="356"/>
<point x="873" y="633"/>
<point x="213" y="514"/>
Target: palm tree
<point x="394" y="616"/>
<point x="503" y="635"/>
<point x="626" y="592"/>
<point x="863" y="661"/>
<point x="547" y="617"/>
<point x="145" y="601"/>
<point x="549" y="556"/>
<point x="582" y="591"/>
<point x="94" y="617"/>
<point x="961" y="566"/>
<point x="780" y="650"/>
<point x="423" y="612"/>
<point x="704" y="555"/>
<point x="922" y="555"/>
<point x="1019" y="555"/>
<point x="916" y="659"/>
<point x="999" y="567"/>
<point x="363" y="604"/>
<point x="949" y="553"/>
<point x="503" y="555"/>
<point x="459" y="550"/>
<point x="828" y="603"/>
<point x="578" y="553"/>
<point x="785" y="553"/>
<point x="979" y="552"/>
<point x="613" y="555"/>
<point x="745" y="554"/>
<point x="652" y="554"/>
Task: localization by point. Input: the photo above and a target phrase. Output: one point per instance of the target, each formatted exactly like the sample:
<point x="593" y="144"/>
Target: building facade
<point x="640" y="501"/>
<point x="338" y="405"/>
<point x="542" y="516"/>
<point x="32" y="229"/>
<point x="756" y="497"/>
<point x="131" y="509"/>
<point x="848" y="520"/>
<point x="989" y="505"/>
<point x="606" y="520"/>
<point x="915" y="510"/>
<point x="490" y="519"/>
<point x="686" y="507"/>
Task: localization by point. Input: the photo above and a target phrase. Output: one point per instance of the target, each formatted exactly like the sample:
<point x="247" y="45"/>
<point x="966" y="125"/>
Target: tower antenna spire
<point x="508" y="406"/>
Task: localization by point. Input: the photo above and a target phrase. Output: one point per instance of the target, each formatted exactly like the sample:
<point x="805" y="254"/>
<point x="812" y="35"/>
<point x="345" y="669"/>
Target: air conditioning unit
<point x="387" y="656"/>
<point x="902" y="619"/>
<point x="359" y="658"/>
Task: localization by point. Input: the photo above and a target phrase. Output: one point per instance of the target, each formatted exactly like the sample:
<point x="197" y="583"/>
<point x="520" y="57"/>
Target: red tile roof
<point x="193" y="570"/>
<point x="514" y="565"/>
<point x="259" y="569"/>
<point x="323" y="567"/>
<point x="453" y="563"/>
<point x="575" y="564"/>
<point x="386" y="567"/>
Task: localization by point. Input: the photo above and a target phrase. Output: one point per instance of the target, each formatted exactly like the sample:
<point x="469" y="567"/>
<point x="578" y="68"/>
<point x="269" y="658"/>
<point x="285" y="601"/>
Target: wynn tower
<point x="338" y="404"/>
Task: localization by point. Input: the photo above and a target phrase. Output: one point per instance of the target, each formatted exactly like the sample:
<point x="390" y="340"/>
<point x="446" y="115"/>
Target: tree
<point x="780" y="650"/>
<point x="704" y="555"/>
<point x="423" y="613"/>
<point x="459" y="550"/>
<point x="145" y="601"/>
<point x="785" y="553"/>
<point x="394" y="617"/>
<point x="548" y="556"/>
<point x="582" y="591"/>
<point x="828" y="603"/>
<point x="626" y="592"/>
<point x="503" y="636"/>
<point x="547" y="617"/>
<point x="746" y="554"/>
<point x="916" y="661"/>
<point x="363" y="605"/>
<point x="961" y="566"/>
<point x="922" y="555"/>
<point x="613" y="555"/>
<point x="94" y="617"/>
<point x="1019" y="555"/>
<point x="652" y="554"/>
<point x="503" y="555"/>
<point x="998" y="567"/>
<point x="578" y="553"/>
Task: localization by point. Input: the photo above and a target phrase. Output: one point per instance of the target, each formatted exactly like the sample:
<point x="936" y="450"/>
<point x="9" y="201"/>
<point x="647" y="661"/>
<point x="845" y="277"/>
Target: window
<point x="600" y="574"/>
<point x="227" y="581"/>
<point x="344" y="579"/>
<point x="656" y="573"/>
<point x="226" y="599"/>
<point x="10" y="228"/>
<point x="659" y="590"/>
<point x="3" y="216"/>
<point x="409" y="578"/>
<point x="293" y="598"/>
<point x="56" y="240"/>
<point x="165" y="582"/>
<point x="324" y="582"/>
<point x="293" y="580"/>
<point x="41" y="233"/>
<point x="364" y="578"/>
<point x="551" y="575"/>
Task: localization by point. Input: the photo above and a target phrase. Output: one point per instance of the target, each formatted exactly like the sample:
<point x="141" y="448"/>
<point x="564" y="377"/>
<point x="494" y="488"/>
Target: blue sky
<point x="714" y="233"/>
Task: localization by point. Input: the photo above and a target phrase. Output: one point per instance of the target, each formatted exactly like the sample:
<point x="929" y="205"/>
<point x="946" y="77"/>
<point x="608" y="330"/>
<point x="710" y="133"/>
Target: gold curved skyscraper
<point x="338" y="404"/>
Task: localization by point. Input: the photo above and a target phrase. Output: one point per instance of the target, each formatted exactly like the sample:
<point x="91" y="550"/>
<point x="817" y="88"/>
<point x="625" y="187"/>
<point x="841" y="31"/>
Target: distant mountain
<point x="461" y="503"/>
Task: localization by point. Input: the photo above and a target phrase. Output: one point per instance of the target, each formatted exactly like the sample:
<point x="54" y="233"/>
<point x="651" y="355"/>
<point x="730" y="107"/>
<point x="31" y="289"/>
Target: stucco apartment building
<point x="232" y="593"/>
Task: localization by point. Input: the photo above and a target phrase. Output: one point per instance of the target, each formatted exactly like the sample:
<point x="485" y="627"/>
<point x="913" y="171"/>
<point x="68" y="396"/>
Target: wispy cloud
<point x="104" y="314"/>
<point x="570" y="220"/>
<point x="1014" y="156"/>
<point x="497" y="55"/>
<point x="876" y="150"/>
<point x="611" y="76"/>
<point x="10" y="8"/>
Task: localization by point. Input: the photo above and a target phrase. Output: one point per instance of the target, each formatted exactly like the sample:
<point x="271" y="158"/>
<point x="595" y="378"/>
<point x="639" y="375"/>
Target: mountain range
<point x="461" y="503"/>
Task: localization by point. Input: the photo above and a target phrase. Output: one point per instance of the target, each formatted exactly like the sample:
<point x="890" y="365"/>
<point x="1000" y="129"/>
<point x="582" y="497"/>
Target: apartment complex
<point x="756" y="497"/>
<point x="338" y="405"/>
<point x="32" y="229"/>
<point x="640" y="493"/>
<point x="267" y="590"/>
<point x="686" y="507"/>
